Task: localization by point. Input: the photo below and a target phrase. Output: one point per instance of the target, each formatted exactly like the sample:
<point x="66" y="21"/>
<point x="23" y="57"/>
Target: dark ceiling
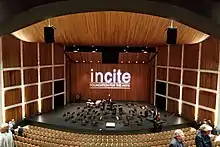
<point x="199" y="14"/>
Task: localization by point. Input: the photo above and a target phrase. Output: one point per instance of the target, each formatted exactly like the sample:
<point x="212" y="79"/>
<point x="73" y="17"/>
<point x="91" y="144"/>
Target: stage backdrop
<point x="141" y="81"/>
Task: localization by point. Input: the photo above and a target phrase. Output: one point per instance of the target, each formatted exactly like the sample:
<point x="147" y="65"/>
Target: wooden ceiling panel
<point x="110" y="28"/>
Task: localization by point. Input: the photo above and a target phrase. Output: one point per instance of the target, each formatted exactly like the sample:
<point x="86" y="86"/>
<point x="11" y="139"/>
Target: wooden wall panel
<point x="190" y="78"/>
<point x="59" y="72"/>
<point x="191" y="54"/>
<point x="162" y="74"/>
<point x="46" y="105"/>
<point x="13" y="113"/>
<point x="46" y="89"/>
<point x="142" y="82"/>
<point x="45" y="74"/>
<point x="207" y="99"/>
<point x="189" y="95"/>
<point x="29" y="54"/>
<point x="31" y="109"/>
<point x="174" y="91"/>
<point x="162" y="55"/>
<point x="31" y="93"/>
<point x="30" y="76"/>
<point x="58" y="54"/>
<point x="12" y="78"/>
<point x="175" y="55"/>
<point x="204" y="114"/>
<point x="174" y="75"/>
<point x="45" y="54"/>
<point x="208" y="80"/>
<point x="173" y="106"/>
<point x="13" y="97"/>
<point x="188" y="111"/>
<point x="10" y="52"/>
<point x="210" y="54"/>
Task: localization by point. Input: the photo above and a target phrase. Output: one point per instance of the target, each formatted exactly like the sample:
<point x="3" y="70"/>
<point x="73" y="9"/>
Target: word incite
<point x="114" y="80"/>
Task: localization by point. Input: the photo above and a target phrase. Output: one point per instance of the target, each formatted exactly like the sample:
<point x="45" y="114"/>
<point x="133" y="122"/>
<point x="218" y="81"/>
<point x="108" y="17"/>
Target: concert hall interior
<point x="121" y="72"/>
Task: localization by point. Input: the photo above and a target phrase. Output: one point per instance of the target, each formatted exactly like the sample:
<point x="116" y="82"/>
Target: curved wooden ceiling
<point x="110" y="28"/>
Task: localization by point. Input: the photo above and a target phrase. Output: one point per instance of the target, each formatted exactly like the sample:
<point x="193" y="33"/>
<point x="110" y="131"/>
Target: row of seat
<point x="39" y="136"/>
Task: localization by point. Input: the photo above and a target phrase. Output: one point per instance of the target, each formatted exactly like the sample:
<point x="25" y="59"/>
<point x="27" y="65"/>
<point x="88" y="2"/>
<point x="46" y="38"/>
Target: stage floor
<point x="54" y="119"/>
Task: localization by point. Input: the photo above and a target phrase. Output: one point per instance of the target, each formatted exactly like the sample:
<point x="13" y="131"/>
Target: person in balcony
<point x="203" y="138"/>
<point x="178" y="138"/>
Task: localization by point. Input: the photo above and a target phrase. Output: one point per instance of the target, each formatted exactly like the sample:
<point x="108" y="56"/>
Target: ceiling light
<point x="145" y="52"/>
<point x="77" y="61"/>
<point x="78" y="49"/>
<point x="98" y="61"/>
<point x="93" y="51"/>
<point x="129" y="61"/>
<point x="121" y="61"/>
<point x="92" y="45"/>
<point x="83" y="61"/>
<point x="136" y="61"/>
<point x="127" y="46"/>
<point x="143" y="62"/>
<point x="96" y="49"/>
<point x="75" y="51"/>
<point x="91" y="61"/>
<point x="124" y="50"/>
<point x="74" y="45"/>
<point x="146" y="46"/>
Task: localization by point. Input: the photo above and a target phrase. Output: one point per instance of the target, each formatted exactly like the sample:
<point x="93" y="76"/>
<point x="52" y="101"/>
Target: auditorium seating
<point x="39" y="136"/>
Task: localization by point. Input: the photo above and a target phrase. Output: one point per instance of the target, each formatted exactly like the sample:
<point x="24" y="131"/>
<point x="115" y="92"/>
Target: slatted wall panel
<point x="192" y="78"/>
<point x="23" y="86"/>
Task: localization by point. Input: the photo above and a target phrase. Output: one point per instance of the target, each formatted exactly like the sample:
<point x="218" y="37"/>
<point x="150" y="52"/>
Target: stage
<point x="55" y="119"/>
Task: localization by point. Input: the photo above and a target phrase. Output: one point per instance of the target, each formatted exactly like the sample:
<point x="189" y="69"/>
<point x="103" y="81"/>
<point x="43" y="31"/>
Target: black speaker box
<point x="49" y="34"/>
<point x="110" y="57"/>
<point x="171" y="35"/>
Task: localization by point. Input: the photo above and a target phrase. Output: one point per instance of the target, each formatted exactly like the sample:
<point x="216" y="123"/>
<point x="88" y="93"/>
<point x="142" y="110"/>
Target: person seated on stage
<point x="6" y="138"/>
<point x="178" y="138"/>
<point x="203" y="138"/>
<point x="157" y="118"/>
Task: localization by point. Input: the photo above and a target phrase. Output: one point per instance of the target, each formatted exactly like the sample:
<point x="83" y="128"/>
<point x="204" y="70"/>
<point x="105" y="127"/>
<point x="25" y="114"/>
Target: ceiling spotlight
<point x="74" y="45"/>
<point x="91" y="61"/>
<point x="136" y="61"/>
<point x="142" y="50"/>
<point x="92" y="45"/>
<point x="77" y="61"/>
<point x="93" y="51"/>
<point x="127" y="46"/>
<point x="78" y="49"/>
<point x="96" y="49"/>
<point x="129" y="61"/>
<point x="121" y="61"/>
<point x="98" y="61"/>
<point x="75" y="51"/>
<point x="143" y="62"/>
<point x="145" y="52"/>
<point x="146" y="46"/>
<point x="124" y="50"/>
